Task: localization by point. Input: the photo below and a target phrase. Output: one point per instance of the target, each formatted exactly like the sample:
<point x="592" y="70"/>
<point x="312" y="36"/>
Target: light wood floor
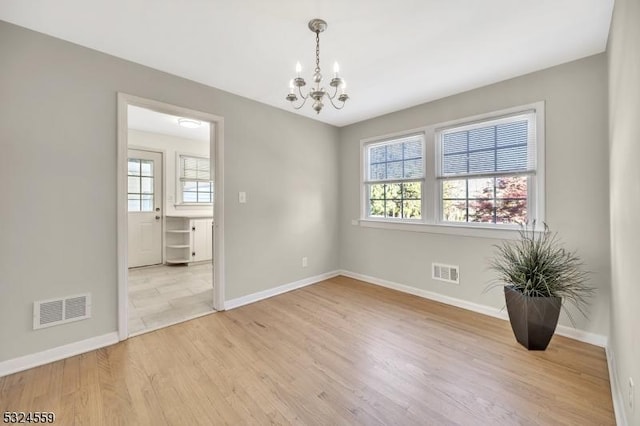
<point x="338" y="352"/>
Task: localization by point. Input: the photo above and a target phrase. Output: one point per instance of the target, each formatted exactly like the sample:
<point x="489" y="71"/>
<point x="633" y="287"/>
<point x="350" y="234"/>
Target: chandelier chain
<point x="317" y="51"/>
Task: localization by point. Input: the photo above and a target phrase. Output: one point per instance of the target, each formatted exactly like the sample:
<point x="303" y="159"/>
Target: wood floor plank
<point x="339" y="352"/>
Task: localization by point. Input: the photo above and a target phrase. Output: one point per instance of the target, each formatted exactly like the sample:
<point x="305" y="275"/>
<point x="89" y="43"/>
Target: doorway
<point x="170" y="215"/>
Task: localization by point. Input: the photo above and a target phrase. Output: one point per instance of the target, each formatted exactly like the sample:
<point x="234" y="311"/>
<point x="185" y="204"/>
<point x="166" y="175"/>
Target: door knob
<point x="157" y="209"/>
<point x="157" y="217"/>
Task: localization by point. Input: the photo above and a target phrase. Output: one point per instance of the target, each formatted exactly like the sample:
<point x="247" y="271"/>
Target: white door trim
<point x="217" y="149"/>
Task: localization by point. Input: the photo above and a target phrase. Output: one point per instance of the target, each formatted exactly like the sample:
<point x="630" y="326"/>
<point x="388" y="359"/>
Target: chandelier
<point x="318" y="93"/>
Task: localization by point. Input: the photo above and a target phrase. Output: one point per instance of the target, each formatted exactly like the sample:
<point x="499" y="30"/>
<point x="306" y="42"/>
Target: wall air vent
<point x="60" y="311"/>
<point x="447" y="273"/>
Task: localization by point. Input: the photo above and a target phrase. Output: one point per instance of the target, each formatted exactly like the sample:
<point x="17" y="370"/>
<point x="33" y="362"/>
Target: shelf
<point x="178" y="231"/>
<point x="178" y="260"/>
<point x="178" y="246"/>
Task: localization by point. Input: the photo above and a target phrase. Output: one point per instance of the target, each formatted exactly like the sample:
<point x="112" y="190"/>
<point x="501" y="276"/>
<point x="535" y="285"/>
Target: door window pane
<point x="133" y="185"/>
<point x="140" y="185"/>
<point x="133" y="203"/>
<point x="146" y="168"/>
<point x="147" y="203"/>
<point x="147" y="185"/>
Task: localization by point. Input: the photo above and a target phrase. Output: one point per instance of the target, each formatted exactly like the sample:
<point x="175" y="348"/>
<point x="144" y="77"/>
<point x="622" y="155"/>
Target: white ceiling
<point x="166" y="124"/>
<point x="394" y="54"/>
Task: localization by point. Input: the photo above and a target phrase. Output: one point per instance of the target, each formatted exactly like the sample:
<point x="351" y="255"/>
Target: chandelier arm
<point x="334" y="105"/>
<point x="301" y="105"/>
<point x="335" y="93"/>
<point x="301" y="95"/>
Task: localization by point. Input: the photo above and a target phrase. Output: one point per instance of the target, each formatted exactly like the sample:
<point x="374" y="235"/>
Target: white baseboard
<point x="55" y="354"/>
<point x="254" y="297"/>
<point x="616" y="391"/>
<point x="562" y="330"/>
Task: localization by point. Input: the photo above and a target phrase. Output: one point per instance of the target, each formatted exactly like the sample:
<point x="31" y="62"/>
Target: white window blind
<point x="194" y="169"/>
<point x="485" y="169"/>
<point x="396" y="160"/>
<point x="195" y="180"/>
<point x="502" y="147"/>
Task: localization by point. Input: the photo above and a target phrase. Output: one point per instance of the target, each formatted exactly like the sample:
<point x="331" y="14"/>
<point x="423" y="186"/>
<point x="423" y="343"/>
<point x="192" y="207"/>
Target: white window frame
<point x="431" y="192"/>
<point x="179" y="195"/>
<point x="365" y="179"/>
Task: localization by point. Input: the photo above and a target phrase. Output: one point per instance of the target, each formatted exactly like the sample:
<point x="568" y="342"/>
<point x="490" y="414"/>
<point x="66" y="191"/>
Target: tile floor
<point x="163" y="295"/>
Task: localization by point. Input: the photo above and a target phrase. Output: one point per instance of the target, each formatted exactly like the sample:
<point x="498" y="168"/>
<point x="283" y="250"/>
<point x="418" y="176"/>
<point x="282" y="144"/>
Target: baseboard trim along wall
<point x="265" y="294"/>
<point x="37" y="359"/>
<point x="562" y="330"/>
<point x="616" y="391"/>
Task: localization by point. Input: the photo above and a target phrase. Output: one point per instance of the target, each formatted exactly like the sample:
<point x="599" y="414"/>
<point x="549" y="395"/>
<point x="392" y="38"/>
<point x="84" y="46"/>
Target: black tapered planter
<point x="533" y="319"/>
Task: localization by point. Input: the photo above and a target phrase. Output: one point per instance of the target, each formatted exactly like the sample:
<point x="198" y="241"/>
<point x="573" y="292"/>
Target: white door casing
<point x="217" y="164"/>
<point x="144" y="207"/>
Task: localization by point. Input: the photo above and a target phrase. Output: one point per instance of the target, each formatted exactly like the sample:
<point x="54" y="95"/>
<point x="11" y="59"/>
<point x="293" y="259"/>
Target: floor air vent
<point x="448" y="273"/>
<point x="60" y="311"/>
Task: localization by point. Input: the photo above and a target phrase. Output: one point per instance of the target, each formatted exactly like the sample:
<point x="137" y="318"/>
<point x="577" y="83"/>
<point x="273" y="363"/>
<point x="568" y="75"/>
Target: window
<point x="485" y="170"/>
<point x="480" y="172"/>
<point x="395" y="173"/>
<point x="195" y="182"/>
<point x="140" y="185"/>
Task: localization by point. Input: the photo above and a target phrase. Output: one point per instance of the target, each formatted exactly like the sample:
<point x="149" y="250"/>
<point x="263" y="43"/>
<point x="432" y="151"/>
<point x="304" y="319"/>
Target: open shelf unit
<point x="178" y="240"/>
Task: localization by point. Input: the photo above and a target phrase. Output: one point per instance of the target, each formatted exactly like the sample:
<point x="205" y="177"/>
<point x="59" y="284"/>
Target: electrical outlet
<point x="631" y="391"/>
<point x="305" y="262"/>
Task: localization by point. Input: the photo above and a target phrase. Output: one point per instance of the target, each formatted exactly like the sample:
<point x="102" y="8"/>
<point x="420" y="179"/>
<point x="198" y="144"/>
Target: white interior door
<point x="144" y="170"/>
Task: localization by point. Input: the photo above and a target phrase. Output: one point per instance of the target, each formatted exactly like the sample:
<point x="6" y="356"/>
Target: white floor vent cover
<point x="60" y="311"/>
<point x="448" y="273"/>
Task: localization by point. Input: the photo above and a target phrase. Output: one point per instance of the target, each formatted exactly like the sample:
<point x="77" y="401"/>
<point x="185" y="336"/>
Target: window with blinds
<point x="195" y="180"/>
<point x="485" y="168"/>
<point x="394" y="177"/>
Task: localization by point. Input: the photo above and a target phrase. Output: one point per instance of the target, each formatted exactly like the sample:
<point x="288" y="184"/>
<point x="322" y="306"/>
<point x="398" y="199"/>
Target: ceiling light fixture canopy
<point x="318" y="93"/>
<point x="189" y="123"/>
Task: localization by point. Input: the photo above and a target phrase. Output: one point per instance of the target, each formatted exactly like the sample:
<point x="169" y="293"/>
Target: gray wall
<point x="576" y="187"/>
<point x="58" y="174"/>
<point x="624" y="150"/>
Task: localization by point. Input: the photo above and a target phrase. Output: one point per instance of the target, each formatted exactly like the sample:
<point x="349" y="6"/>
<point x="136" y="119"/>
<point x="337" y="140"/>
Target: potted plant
<point x="538" y="274"/>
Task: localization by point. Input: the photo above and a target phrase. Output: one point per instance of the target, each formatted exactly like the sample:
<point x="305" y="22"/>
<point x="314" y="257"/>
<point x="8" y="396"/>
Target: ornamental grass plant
<point x="537" y="265"/>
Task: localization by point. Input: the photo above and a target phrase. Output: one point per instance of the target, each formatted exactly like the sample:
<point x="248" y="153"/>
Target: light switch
<point x="242" y="197"/>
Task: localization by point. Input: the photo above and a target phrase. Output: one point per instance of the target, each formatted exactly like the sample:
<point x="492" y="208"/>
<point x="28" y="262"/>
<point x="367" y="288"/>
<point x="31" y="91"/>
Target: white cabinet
<point x="189" y="239"/>
<point x="201" y="239"/>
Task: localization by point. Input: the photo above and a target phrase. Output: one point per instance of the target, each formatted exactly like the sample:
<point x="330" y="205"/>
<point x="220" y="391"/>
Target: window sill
<point x="193" y="205"/>
<point x="460" y="230"/>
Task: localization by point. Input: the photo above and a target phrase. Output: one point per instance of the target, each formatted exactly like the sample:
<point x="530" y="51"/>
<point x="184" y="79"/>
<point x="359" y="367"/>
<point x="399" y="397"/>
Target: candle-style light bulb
<point x="298" y="68"/>
<point x="336" y="69"/>
<point x="291" y="86"/>
<point x="343" y="87"/>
